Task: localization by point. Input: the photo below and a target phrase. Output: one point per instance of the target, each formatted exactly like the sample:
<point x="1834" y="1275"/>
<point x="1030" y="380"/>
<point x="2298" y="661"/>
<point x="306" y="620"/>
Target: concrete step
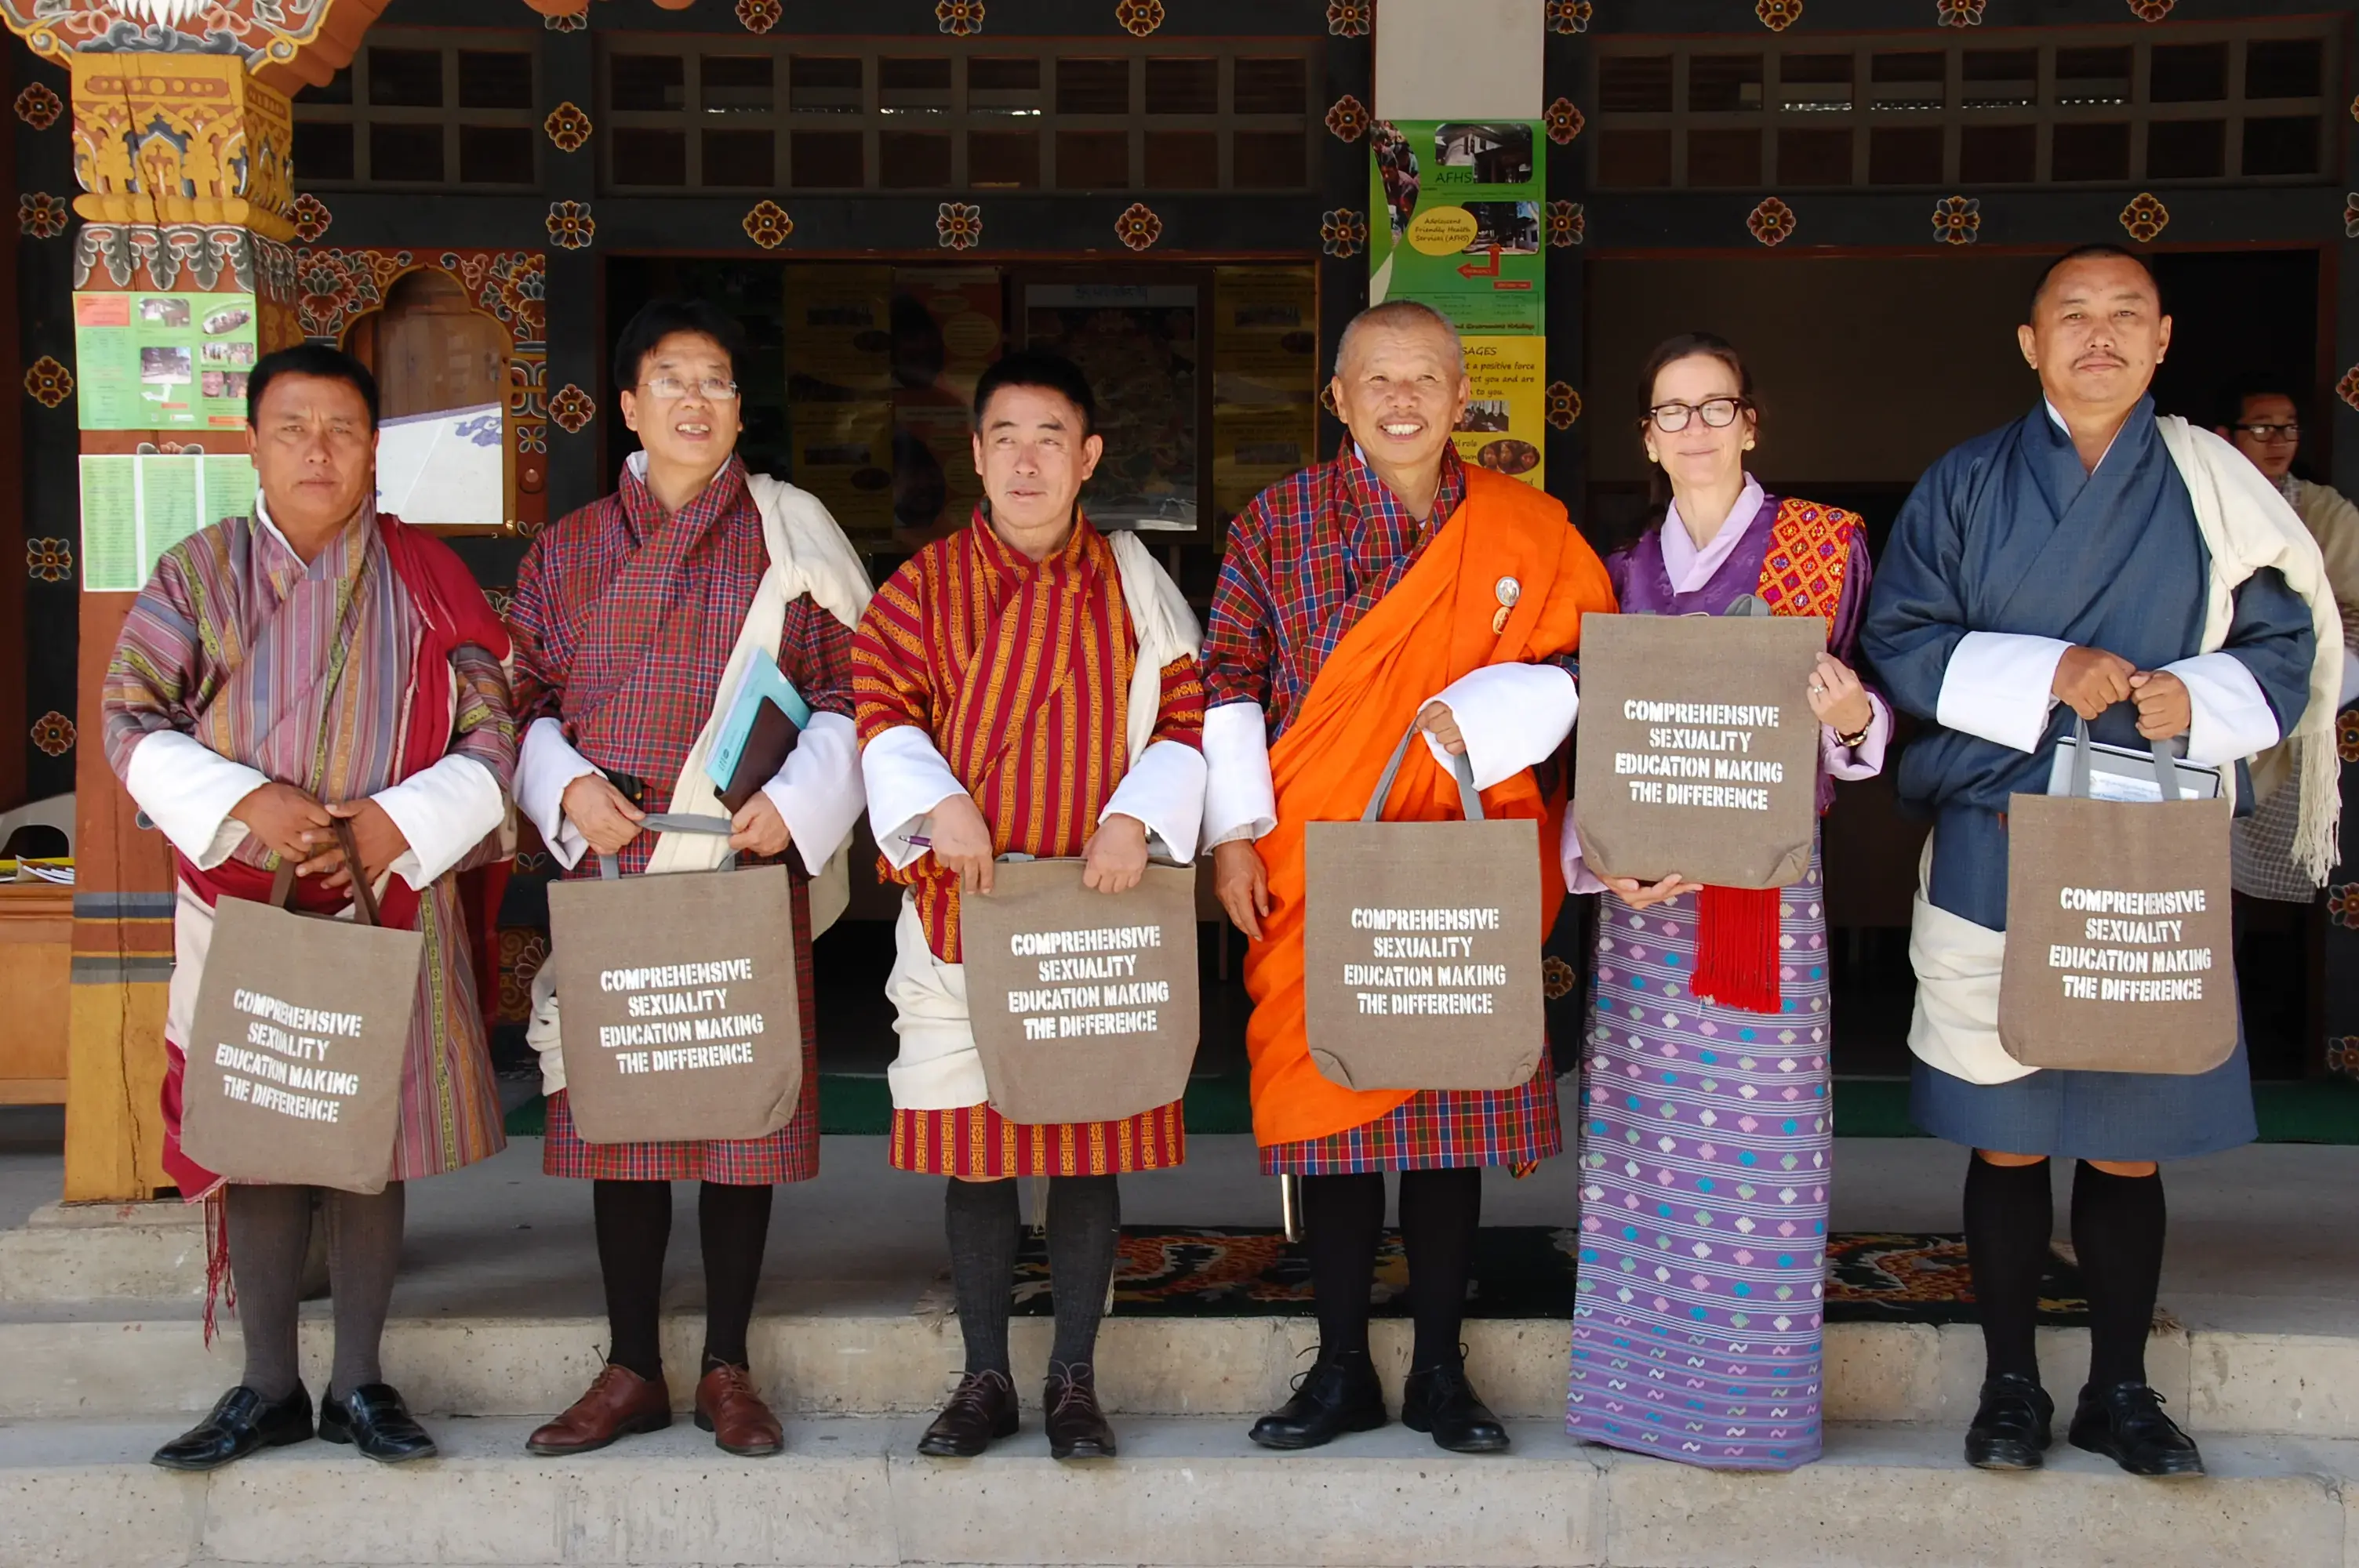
<point x="114" y="1360"/>
<point x="1184" y="1492"/>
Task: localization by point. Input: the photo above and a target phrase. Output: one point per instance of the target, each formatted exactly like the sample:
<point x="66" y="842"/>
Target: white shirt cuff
<point x="2232" y="719"/>
<point x="1998" y="686"/>
<point x="1512" y="716"/>
<point x="818" y="789"/>
<point x="444" y="811"/>
<point x="1165" y="790"/>
<point x="1578" y="876"/>
<point x="1865" y="760"/>
<point x="546" y="763"/>
<point x="1240" y="801"/>
<point x="905" y="778"/>
<point x="189" y="790"/>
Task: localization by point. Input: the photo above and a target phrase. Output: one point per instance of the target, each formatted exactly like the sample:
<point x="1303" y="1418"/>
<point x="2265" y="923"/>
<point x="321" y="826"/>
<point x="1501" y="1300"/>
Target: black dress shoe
<point x="2011" y="1424"/>
<point x="1441" y="1400"/>
<point x="372" y="1418"/>
<point x="1338" y="1394"/>
<point x="983" y="1407"/>
<point x="1077" y="1428"/>
<point x="241" y="1422"/>
<point x="2125" y="1422"/>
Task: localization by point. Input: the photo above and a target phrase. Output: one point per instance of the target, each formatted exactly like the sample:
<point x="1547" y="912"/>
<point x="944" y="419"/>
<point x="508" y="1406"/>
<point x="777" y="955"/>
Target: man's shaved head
<point x="1399" y="316"/>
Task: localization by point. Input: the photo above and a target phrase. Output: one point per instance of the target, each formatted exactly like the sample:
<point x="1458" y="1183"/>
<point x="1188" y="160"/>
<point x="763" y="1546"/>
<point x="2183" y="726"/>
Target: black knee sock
<point x="1084" y="1220"/>
<point x="733" y="1226"/>
<point x="363" y="1255"/>
<point x="633" y="1222"/>
<point x="1343" y="1220"/>
<point x="1440" y="1212"/>
<point x="2009" y="1214"/>
<point x="980" y="1217"/>
<point x="270" y="1230"/>
<point x="2117" y="1230"/>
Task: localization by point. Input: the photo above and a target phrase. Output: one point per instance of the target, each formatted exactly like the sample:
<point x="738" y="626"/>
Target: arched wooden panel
<point x="441" y="366"/>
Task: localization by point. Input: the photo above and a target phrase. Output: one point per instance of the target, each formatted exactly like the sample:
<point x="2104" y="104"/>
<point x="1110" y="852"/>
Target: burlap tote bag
<point x="296" y="1051"/>
<point x="1696" y="751"/>
<point x="678" y="1018"/>
<point x="1084" y="1004"/>
<point x="1422" y="947"/>
<point x="2120" y="956"/>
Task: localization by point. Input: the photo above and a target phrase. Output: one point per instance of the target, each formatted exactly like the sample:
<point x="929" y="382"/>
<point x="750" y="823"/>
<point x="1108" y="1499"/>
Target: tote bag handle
<point x="610" y="869"/>
<point x="282" y="882"/>
<point x="2165" y="768"/>
<point x="1469" y="797"/>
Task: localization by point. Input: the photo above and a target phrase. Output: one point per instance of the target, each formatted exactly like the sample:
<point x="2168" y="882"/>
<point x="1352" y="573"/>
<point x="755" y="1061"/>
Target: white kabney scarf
<point x="2246" y="526"/>
<point x="937" y="1067"/>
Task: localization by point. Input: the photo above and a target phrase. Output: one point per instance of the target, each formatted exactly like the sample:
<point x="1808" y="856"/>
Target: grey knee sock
<point x="363" y="1254"/>
<point x="1084" y="1223"/>
<point x="981" y="1220"/>
<point x="268" y="1229"/>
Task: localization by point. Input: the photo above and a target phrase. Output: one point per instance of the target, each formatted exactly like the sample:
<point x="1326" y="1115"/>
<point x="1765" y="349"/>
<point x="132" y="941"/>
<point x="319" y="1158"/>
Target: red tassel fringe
<point x="221" y="1288"/>
<point x="1737" y="948"/>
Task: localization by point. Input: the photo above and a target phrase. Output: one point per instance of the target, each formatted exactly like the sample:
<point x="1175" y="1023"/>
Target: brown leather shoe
<point x="728" y="1408"/>
<point x="618" y="1403"/>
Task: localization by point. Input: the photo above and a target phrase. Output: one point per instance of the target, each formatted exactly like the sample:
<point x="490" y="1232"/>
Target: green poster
<point x="1457" y="219"/>
<point x="136" y="506"/>
<point x="163" y="362"/>
<point x="109" y="525"/>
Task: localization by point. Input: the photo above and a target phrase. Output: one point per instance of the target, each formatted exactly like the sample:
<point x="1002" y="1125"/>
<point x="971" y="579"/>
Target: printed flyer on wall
<point x="136" y="506"/>
<point x="163" y="362"/>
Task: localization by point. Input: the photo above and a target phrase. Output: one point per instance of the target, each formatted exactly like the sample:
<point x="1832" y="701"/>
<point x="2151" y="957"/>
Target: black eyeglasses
<point x="1719" y="414"/>
<point x="2270" y="435"/>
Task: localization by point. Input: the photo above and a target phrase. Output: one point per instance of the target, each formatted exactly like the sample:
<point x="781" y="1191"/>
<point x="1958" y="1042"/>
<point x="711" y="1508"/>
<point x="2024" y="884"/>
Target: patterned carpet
<point x="1520" y="1272"/>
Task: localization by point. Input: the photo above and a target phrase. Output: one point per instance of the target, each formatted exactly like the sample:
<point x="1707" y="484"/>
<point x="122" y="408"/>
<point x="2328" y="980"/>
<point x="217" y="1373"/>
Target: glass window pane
<point x="644" y="156"/>
<point x="1635" y="84"/>
<point x="2283" y="68"/>
<point x="408" y="79"/>
<point x="740" y="157"/>
<point x="736" y="83"/>
<point x="1724" y="157"/>
<point x="1093" y="87"/>
<point x="495" y="79"/>
<point x="1814" y="157"/>
<point x="2090" y="152"/>
<point x="1270" y="160"/>
<point x="1003" y="85"/>
<point x="2281" y="146"/>
<point x="2185" y="149"/>
<point x="1909" y="80"/>
<point x="1003" y="160"/>
<point x="913" y="160"/>
<point x="323" y="151"/>
<point x="827" y="161"/>
<point x="1277" y="84"/>
<point x="1092" y="160"/>
<point x="496" y="155"/>
<point x="2092" y="76"/>
<point x="337" y="89"/>
<point x="1903" y="154"/>
<point x="914" y="85"/>
<point x="404" y="152"/>
<point x="1183" y="86"/>
<point x="1183" y="160"/>
<point x="1634" y="160"/>
<point x="1998" y="154"/>
<point x="2188" y="73"/>
<point x="645" y="82"/>
<point x="1814" y="82"/>
<point x="825" y="85"/>
<point x="1722" y="83"/>
<point x="2000" y="79"/>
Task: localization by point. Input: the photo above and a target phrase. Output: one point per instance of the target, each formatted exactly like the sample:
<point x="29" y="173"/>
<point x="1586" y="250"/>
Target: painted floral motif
<point x="1347" y="119"/>
<point x="1569" y="16"/>
<point x="571" y="226"/>
<point x="333" y="285"/>
<point x="958" y="225"/>
<point x="1777" y="15"/>
<point x="767" y="225"/>
<point x="42" y="215"/>
<point x="960" y="18"/>
<point x="2346" y="736"/>
<point x="1138" y="227"/>
<point x="2343" y="1055"/>
<point x="758" y="16"/>
<point x="1568" y="224"/>
<point x="2350" y="216"/>
<point x="312" y="218"/>
<point x="523" y="951"/>
<point x="2144" y="217"/>
<point x="49" y="561"/>
<point x="2347" y="388"/>
<point x="1343" y="233"/>
<point x="1772" y="222"/>
<point x="567" y="21"/>
<point x="53" y="732"/>
<point x="1558" y="978"/>
<point x="40" y="106"/>
<point x="2342" y="903"/>
<point x="1563" y="405"/>
<point x="1139" y="18"/>
<point x="2151" y="10"/>
<point x="515" y="288"/>
<point x="568" y="126"/>
<point x="1564" y="121"/>
<point x="1958" y="219"/>
<point x="48" y="383"/>
<point x="572" y="408"/>
<point x="1350" y="18"/>
<point x="1960" y="13"/>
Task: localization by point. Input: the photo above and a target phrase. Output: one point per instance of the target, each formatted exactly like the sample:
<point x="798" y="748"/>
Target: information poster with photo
<point x="838" y="333"/>
<point x="163" y="362"/>
<point x="1506" y="405"/>
<point x="1265" y="380"/>
<point x="136" y="506"/>
<point x="1139" y="346"/>
<point x="843" y="454"/>
<point x="948" y="324"/>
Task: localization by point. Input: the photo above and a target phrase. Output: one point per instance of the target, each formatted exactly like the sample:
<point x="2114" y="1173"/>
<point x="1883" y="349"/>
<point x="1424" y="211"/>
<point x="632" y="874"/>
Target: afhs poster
<point x="1457" y="223"/>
